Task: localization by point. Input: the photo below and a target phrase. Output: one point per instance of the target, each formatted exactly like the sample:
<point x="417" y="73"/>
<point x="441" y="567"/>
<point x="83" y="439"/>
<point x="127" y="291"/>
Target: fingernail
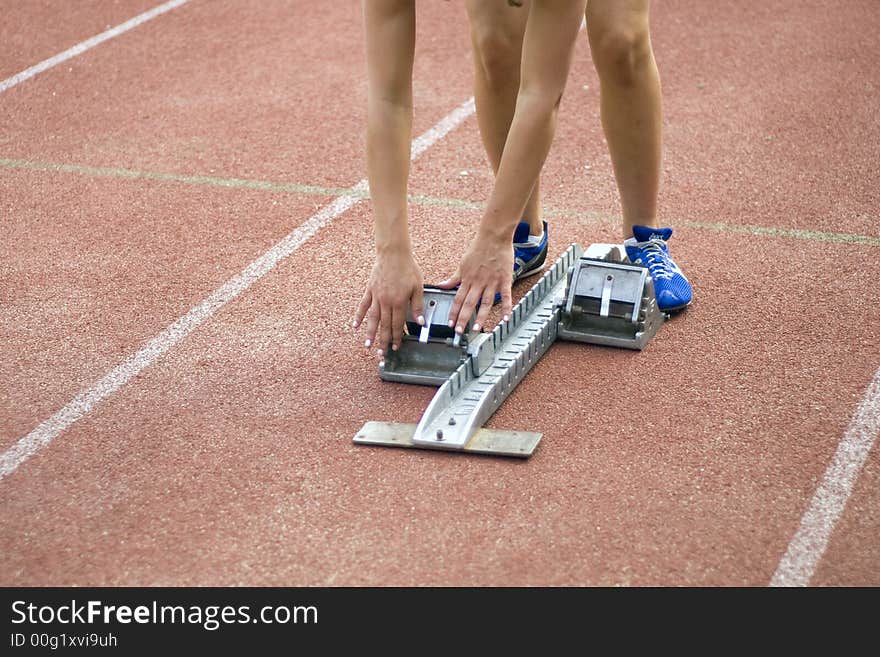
<point x="367" y="343"/>
<point x="354" y="324"/>
<point x="451" y="323"/>
<point x="421" y="320"/>
<point x="380" y="352"/>
<point x="476" y="327"/>
<point x="394" y="347"/>
<point x="505" y="318"/>
<point x="459" y="330"/>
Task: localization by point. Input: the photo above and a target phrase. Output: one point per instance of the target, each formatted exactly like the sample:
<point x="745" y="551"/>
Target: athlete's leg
<point x="620" y="42"/>
<point x="630" y="102"/>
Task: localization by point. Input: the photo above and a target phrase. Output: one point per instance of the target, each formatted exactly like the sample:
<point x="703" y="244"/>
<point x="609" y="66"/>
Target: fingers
<point x="362" y="308"/>
<point x="418" y="306"/>
<point x="395" y="283"/>
<point x="450" y="282"/>
<point x="384" y="327"/>
<point x="384" y="339"/>
<point x="457" y="302"/>
<point x="468" y="306"/>
<point x="506" y="302"/>
<point x="398" y="317"/>
<point x="384" y="323"/>
<point x="485" y="307"/>
<point x="373" y="316"/>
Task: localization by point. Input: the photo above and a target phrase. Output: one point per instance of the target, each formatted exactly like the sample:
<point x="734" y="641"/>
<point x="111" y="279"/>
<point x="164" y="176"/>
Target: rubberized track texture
<point x="186" y="233"/>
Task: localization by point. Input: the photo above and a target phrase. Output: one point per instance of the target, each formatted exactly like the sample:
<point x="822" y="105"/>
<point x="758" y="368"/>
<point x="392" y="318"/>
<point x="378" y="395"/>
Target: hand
<point x="394" y="282"/>
<point x="486" y="268"/>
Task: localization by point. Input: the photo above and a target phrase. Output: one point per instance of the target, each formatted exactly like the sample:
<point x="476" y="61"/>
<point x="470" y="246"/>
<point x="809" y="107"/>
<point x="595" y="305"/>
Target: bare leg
<point x="497" y="30"/>
<point x="620" y="43"/>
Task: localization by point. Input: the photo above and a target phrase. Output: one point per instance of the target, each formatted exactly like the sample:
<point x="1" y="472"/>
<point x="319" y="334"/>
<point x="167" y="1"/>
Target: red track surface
<point x="229" y="460"/>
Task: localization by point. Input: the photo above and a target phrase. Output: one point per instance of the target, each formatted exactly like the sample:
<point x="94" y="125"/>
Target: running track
<point x="184" y="239"/>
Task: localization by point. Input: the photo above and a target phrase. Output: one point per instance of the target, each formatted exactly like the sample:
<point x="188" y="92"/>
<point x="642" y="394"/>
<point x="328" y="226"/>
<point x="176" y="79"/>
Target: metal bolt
<point x="439" y="434"/>
<point x="452" y="422"/>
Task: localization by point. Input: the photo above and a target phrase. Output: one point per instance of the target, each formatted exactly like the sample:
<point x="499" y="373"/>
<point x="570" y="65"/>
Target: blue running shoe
<point x="528" y="257"/>
<point x="647" y="247"/>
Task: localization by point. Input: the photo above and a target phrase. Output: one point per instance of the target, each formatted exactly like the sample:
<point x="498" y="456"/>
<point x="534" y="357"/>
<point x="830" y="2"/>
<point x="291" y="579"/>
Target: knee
<point x="498" y="57"/>
<point x="622" y="56"/>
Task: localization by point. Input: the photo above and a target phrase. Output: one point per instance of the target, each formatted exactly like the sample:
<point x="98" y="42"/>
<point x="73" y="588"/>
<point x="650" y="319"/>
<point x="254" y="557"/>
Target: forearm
<point x="548" y="48"/>
<point x="390" y="46"/>
<point x="528" y="143"/>
<point x="389" y="133"/>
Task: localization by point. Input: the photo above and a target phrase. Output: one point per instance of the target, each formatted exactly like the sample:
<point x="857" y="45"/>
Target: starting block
<point x="429" y="354"/>
<point x="594" y="296"/>
<point x="609" y="302"/>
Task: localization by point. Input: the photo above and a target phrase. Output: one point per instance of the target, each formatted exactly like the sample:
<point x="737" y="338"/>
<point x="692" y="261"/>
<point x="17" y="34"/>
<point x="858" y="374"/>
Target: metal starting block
<point x="609" y="302"/>
<point x="429" y="354"/>
<point x="592" y="296"/>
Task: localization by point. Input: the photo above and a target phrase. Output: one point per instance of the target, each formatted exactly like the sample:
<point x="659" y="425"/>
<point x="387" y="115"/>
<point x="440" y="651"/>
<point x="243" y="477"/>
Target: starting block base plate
<point x="496" y="442"/>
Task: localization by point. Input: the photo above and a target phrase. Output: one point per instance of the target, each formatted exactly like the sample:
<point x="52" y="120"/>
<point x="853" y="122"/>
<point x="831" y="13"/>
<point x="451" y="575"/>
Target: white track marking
<point x="442" y="128"/>
<point x="86" y="401"/>
<point x="80" y="48"/>
<point x="798" y="564"/>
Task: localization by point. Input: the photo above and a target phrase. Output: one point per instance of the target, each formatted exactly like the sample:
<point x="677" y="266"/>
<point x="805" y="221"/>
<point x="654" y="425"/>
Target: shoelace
<point x="657" y="260"/>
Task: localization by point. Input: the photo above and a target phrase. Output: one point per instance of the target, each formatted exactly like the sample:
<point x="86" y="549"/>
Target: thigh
<point x="606" y="17"/>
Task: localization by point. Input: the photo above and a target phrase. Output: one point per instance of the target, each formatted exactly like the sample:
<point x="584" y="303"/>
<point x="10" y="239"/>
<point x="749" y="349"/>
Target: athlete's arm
<point x="395" y="280"/>
<point x="487" y="265"/>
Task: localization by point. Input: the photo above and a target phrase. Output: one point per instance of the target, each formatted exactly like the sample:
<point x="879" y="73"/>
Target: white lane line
<point x="86" y="401"/>
<point x="80" y="48"/>
<point x="807" y="546"/>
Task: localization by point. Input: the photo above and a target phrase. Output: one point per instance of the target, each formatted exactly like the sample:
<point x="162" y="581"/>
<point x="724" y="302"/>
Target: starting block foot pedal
<point x="495" y="442"/>
<point x="609" y="303"/>
<point x="429" y="354"/>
